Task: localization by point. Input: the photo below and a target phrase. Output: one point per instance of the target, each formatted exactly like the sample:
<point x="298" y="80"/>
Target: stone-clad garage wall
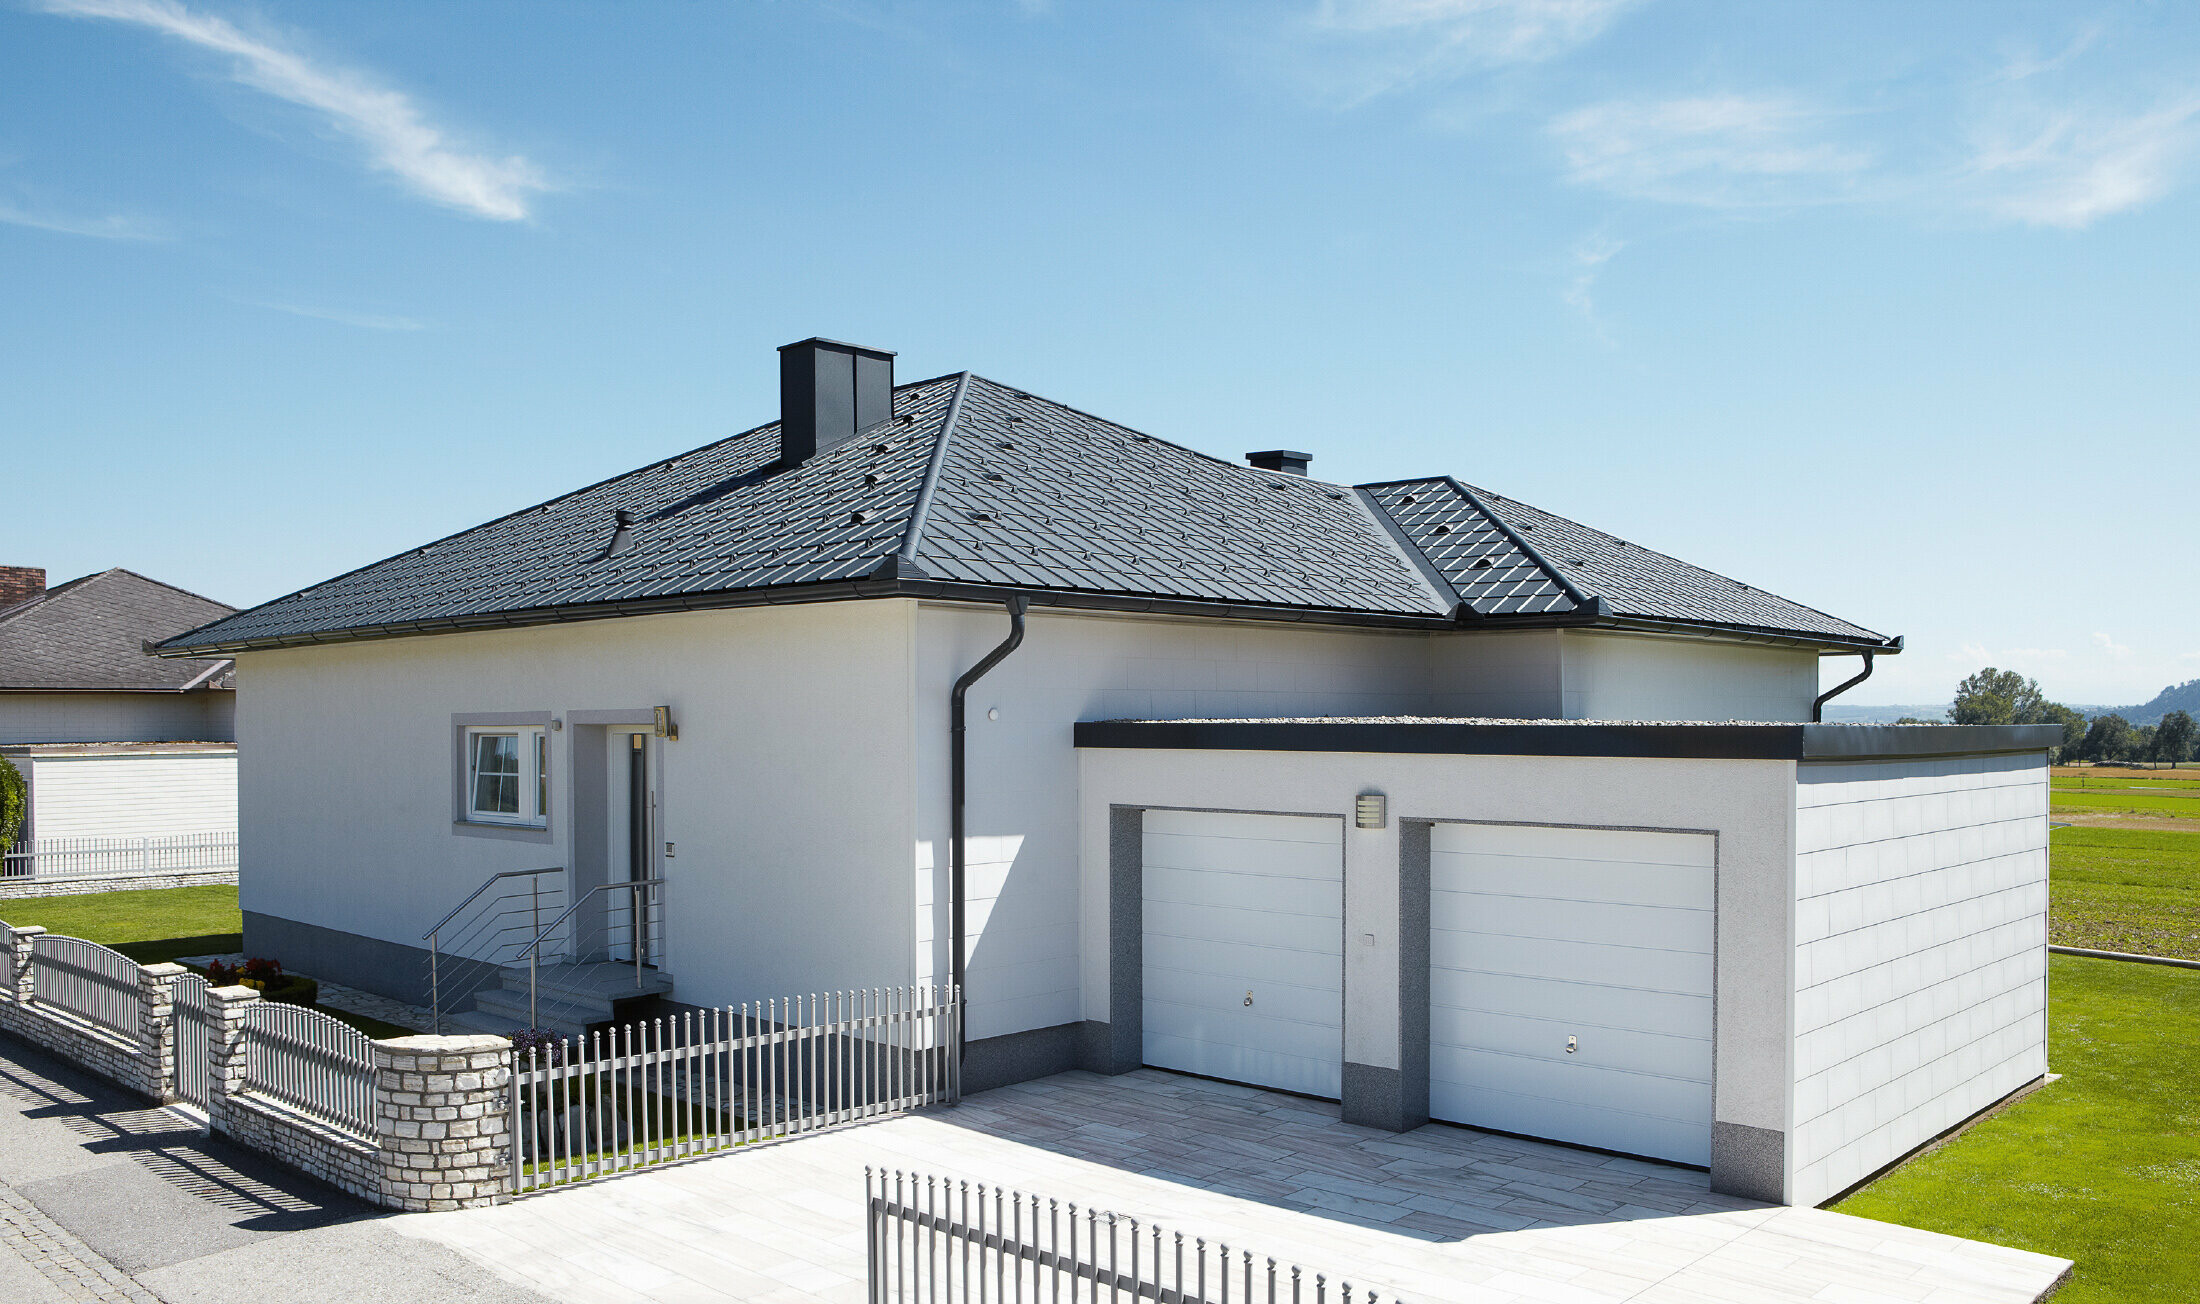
<point x="1920" y="967"/>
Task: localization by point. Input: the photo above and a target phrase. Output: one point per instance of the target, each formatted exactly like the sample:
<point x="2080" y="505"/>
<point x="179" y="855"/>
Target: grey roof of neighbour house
<point x="90" y="633"/>
<point x="972" y="489"/>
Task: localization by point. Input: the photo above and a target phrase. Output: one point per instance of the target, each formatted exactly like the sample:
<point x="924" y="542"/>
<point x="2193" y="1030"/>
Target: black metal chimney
<point x="827" y="392"/>
<point x="1281" y="459"/>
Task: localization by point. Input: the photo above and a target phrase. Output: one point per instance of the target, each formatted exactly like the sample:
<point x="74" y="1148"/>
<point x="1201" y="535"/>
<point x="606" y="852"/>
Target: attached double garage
<point x="1786" y="953"/>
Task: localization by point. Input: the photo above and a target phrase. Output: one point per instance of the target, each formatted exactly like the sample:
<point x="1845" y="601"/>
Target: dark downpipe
<point x="1818" y="707"/>
<point x="1017" y="605"/>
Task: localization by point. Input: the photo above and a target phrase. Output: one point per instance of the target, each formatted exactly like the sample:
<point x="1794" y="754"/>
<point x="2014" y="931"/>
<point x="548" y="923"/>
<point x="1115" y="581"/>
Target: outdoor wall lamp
<point x="665" y="727"/>
<point x="1368" y="812"/>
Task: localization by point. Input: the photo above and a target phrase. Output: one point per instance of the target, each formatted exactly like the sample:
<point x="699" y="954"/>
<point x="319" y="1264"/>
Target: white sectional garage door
<point x="1240" y="906"/>
<point x="1540" y="935"/>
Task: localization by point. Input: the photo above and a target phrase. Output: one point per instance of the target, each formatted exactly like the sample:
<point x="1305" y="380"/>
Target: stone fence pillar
<point x="225" y="1052"/>
<point x="18" y="960"/>
<point x="442" y="1120"/>
<point x="156" y="1051"/>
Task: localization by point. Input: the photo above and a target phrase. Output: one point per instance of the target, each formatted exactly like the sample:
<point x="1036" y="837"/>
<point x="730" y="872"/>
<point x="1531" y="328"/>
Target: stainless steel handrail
<point x="531" y="953"/>
<point x="488" y="883"/>
<point x="435" y="984"/>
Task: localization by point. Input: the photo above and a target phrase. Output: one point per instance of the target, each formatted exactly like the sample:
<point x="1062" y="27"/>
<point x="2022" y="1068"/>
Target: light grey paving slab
<point x="1440" y="1214"/>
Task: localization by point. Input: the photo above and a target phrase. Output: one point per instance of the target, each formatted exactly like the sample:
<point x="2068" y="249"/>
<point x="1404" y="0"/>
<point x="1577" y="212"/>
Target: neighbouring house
<point x="1407" y="795"/>
<point x="130" y="759"/>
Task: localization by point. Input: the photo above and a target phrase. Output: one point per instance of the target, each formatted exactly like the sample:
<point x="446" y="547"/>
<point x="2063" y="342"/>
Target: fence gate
<point x="936" y="1241"/>
<point x="194" y="1039"/>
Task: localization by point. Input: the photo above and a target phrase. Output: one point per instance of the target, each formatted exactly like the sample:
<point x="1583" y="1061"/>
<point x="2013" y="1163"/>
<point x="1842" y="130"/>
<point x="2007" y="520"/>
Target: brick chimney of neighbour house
<point x="20" y="582"/>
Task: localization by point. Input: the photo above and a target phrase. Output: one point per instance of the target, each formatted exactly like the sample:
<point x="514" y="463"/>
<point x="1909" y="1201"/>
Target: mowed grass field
<point x="2135" y="890"/>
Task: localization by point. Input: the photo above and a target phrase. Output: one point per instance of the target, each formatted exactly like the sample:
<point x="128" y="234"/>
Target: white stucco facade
<point x="788" y="795"/>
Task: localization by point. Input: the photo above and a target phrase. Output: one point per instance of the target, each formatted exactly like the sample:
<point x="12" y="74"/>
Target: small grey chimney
<point x="1281" y="459"/>
<point x="827" y="392"/>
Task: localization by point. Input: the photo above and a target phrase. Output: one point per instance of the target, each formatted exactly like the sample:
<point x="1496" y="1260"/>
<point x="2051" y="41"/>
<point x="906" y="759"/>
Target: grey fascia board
<point x="1790" y="742"/>
<point x="1857" y="742"/>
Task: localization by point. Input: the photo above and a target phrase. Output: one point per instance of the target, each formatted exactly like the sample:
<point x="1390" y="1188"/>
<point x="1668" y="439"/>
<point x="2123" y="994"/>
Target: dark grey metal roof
<point x="1507" y="558"/>
<point x="972" y="488"/>
<point x="90" y="635"/>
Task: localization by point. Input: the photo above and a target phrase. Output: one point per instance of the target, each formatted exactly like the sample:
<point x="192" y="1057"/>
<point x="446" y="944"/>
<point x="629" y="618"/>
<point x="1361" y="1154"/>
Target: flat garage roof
<point x="1721" y="740"/>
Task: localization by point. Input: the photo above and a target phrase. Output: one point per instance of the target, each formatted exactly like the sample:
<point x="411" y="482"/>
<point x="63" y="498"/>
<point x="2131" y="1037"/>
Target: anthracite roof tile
<point x="1029" y="494"/>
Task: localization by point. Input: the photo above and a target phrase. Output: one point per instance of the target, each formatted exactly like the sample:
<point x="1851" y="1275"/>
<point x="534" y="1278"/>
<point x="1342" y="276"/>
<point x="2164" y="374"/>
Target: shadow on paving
<point x="223" y="1195"/>
<point x="1436" y="1183"/>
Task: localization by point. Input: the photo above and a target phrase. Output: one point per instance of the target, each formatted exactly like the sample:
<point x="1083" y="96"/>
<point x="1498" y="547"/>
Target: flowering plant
<point x="547" y="1045"/>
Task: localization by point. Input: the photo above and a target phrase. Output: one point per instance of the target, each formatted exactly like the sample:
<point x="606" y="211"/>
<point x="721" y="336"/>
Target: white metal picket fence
<point x="194" y="1040"/>
<point x="41" y="858"/>
<point x="319" y="1066"/>
<point x="702" y="1082"/>
<point x="933" y="1240"/>
<point x="87" y="980"/>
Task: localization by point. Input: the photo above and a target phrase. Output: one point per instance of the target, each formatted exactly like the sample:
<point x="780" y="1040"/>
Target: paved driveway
<point x="103" y="1198"/>
<point x="1442" y="1213"/>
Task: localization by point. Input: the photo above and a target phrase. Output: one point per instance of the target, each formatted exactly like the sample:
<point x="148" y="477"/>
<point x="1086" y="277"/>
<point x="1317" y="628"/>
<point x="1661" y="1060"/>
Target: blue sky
<point x="1887" y="308"/>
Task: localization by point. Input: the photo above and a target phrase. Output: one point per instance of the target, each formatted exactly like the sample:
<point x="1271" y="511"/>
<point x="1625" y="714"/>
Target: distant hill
<point x="1836" y="713"/>
<point x="2177" y="697"/>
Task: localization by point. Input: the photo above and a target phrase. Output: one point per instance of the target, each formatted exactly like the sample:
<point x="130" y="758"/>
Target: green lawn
<point x="159" y="924"/>
<point x="2174" y="805"/>
<point x="146" y="926"/>
<point x="2102" y="1167"/>
<point x="2167" y="783"/>
<point x="2126" y="890"/>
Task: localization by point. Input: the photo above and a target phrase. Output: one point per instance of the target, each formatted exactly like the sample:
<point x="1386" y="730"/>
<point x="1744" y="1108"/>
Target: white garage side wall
<point x="118" y="717"/>
<point x="786" y="794"/>
<point x="1619" y="677"/>
<point x="1021" y="885"/>
<point x="137" y="796"/>
<point x="1746" y="804"/>
<point x="1921" y="976"/>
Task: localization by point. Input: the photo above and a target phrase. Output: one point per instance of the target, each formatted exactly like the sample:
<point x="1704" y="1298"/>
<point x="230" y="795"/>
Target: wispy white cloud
<point x="1714" y="151"/>
<point x="1358" y="50"/>
<point x="2070" y="168"/>
<point x="1589" y="256"/>
<point x="362" y="320"/>
<point x="2110" y="646"/>
<point x="113" y="226"/>
<point x="396" y="135"/>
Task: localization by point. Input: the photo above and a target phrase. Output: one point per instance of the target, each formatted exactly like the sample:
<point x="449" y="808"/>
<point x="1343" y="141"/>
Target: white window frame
<point x="531" y="748"/>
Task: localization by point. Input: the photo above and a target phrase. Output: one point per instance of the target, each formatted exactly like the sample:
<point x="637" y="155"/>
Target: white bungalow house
<point x="1405" y="795"/>
<point x="130" y="760"/>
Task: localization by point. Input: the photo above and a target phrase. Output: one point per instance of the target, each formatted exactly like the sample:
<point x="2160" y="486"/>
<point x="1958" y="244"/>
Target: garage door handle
<point x="1248" y="998"/>
<point x="1572" y="1044"/>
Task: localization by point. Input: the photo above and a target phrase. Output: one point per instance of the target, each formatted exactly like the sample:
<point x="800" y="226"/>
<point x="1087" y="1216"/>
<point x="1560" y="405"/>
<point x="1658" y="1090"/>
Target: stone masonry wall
<point x="52" y="887"/>
<point x="441" y="1135"/>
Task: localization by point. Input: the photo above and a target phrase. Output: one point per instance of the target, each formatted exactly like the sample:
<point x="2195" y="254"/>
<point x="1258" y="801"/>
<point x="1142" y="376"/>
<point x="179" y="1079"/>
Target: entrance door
<point x="1570" y="985"/>
<point x="632" y="807"/>
<point x="1243" y="936"/>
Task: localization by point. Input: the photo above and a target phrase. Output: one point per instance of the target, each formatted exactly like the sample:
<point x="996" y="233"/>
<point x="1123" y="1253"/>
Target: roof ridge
<point x="172" y="588"/>
<point x="1505" y="527"/>
<point x="1146" y="436"/>
<point x="928" y="487"/>
<point x="44" y="596"/>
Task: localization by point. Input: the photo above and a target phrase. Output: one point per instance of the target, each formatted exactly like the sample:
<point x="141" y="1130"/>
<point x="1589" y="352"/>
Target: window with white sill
<point x="508" y="776"/>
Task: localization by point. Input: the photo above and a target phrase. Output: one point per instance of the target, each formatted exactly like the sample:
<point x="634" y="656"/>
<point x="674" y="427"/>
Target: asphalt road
<point x="104" y="1198"/>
